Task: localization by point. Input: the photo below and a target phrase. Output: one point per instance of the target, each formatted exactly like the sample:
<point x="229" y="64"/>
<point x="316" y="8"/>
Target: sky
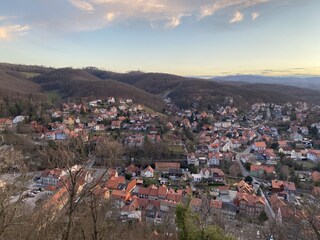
<point x="185" y="37"/>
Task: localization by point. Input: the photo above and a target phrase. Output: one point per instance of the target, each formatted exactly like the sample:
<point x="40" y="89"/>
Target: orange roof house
<point x="259" y="146"/>
<point x="260" y="170"/>
<point x="251" y="199"/>
<point x="114" y="182"/>
<point x="165" y="166"/>
<point x="122" y="195"/>
<point x="315" y="176"/>
<point x="244" y="187"/>
<point x="282" y="186"/>
<point x="279" y="206"/>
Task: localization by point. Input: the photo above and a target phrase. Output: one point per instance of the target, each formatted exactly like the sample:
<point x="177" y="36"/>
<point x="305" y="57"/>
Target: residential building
<point x="261" y="170"/>
<point x="250" y="204"/>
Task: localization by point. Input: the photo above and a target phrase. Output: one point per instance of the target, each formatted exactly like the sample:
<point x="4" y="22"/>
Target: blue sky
<point x="186" y="37"/>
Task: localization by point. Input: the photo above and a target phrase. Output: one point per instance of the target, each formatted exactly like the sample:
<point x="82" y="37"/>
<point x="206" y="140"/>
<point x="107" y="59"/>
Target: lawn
<point x="177" y="149"/>
<point x="308" y="165"/>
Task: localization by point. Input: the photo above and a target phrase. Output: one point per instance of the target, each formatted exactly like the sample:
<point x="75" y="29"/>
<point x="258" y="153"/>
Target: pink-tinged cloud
<point x="237" y="17"/>
<point x="11" y="31"/>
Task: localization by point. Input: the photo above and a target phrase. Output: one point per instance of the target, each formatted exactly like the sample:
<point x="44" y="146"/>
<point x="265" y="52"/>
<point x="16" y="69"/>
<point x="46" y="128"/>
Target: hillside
<point x="23" y="82"/>
<point x="14" y="86"/>
<point x="155" y="83"/>
<point x="302" y="82"/>
<point x="75" y="83"/>
<point x="243" y="94"/>
<point x="185" y="91"/>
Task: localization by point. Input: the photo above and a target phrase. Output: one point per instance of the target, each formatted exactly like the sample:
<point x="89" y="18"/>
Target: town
<point x="253" y="172"/>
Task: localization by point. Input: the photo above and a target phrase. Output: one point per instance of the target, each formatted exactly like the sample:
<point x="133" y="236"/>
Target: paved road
<point x="245" y="173"/>
<point x="268" y="208"/>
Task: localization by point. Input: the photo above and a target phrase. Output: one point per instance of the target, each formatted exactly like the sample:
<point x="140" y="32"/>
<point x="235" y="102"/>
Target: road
<point x="256" y="187"/>
<point x="244" y="171"/>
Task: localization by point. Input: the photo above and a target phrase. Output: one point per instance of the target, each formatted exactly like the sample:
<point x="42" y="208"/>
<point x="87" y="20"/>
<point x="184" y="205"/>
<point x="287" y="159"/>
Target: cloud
<point x="237" y="17"/>
<point x="90" y="15"/>
<point x="173" y="23"/>
<point x="211" y="9"/>
<point x="255" y="15"/>
<point x="109" y="16"/>
<point x="2" y="18"/>
<point x="10" y="31"/>
<point x="82" y="5"/>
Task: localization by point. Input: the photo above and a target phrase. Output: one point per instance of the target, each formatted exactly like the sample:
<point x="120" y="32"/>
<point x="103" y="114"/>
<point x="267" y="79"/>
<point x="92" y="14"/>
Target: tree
<point x="274" y="145"/>
<point x="263" y="217"/>
<point x="259" y="192"/>
<point x="191" y="226"/>
<point x="234" y="170"/>
<point x="248" y="179"/>
<point x="71" y="155"/>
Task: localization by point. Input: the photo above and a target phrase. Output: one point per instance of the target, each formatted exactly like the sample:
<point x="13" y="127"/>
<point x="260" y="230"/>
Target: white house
<point x="196" y="177"/>
<point x="213" y="159"/>
<point x="148" y="172"/>
<point x="296" y="137"/>
<point x="18" y="119"/>
<point x="192" y="159"/>
<point x="259" y="146"/>
<point x="314" y="155"/>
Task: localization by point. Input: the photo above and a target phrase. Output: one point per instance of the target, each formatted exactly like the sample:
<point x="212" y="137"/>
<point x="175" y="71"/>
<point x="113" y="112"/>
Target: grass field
<point x="30" y="74"/>
<point x="177" y="149"/>
<point x="308" y="165"/>
<point x="53" y="96"/>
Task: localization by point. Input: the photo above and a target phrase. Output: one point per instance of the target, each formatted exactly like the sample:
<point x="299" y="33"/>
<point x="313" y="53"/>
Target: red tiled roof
<point x="315" y="176"/>
<point x="267" y="169"/>
<point x="195" y="202"/>
<point x="114" y="182"/>
<point x="162" y="190"/>
<point x="260" y="144"/>
<point x="216" y="204"/>
<point x="166" y="165"/>
<point x="277" y="184"/>
<point x="144" y="191"/>
<point x="251" y="199"/>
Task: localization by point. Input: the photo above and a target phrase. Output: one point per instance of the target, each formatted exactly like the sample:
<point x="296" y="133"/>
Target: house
<point x="315" y="176"/>
<point x="195" y="204"/>
<point x="132" y="170"/>
<point x="51" y="177"/>
<point x="215" y="175"/>
<point x="249" y="204"/>
<point x="196" y="177"/>
<point x="261" y="170"/>
<point x="304" y="130"/>
<point x="316" y="191"/>
<point x="114" y="182"/>
<point x="19" y="119"/>
<point x="115" y="125"/>
<point x="111" y="100"/>
<point x="283" y="144"/>
<point x="313" y="155"/>
<point x="280" y="208"/>
<point x="283" y="187"/>
<point x="259" y="146"/>
<point x="148" y="172"/>
<point x="244" y="187"/>
<point x="192" y="159"/>
<point x="213" y="159"/>
<point x="5" y="123"/>
<point x="120" y="195"/>
<point x="102" y="192"/>
<point x="296" y="137"/>
<point x="165" y="166"/>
